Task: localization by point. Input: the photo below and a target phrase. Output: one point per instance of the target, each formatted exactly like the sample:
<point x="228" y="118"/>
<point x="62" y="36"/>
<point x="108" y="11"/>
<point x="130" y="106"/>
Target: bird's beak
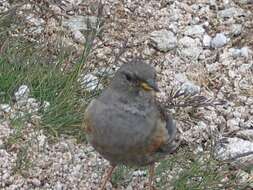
<point x="150" y="85"/>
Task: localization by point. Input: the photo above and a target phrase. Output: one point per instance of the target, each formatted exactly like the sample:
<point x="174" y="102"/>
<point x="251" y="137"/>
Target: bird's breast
<point x="119" y="127"/>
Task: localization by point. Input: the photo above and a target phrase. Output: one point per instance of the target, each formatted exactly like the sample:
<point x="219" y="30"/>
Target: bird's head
<point x="137" y="76"/>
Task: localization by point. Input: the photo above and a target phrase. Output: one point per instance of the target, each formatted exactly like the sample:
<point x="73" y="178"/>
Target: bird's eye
<point x="128" y="77"/>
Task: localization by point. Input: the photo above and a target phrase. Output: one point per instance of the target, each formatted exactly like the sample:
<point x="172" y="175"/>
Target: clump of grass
<point x="121" y="174"/>
<point x="194" y="171"/>
<point x="25" y="62"/>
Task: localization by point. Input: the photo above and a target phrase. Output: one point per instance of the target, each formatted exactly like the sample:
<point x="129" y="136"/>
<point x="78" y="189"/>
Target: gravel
<point x="163" y="40"/>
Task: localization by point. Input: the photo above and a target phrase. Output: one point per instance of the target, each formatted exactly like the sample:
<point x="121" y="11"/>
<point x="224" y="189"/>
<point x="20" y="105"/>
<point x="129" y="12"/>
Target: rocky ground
<point x="204" y="46"/>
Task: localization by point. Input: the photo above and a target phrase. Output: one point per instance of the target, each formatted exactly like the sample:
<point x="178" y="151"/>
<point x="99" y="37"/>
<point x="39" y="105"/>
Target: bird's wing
<point x="170" y="124"/>
<point x="161" y="139"/>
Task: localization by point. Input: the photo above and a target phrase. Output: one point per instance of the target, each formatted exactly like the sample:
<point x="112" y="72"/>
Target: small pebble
<point x="219" y="40"/>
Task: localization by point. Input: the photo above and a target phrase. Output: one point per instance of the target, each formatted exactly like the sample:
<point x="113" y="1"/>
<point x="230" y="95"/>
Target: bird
<point x="126" y="125"/>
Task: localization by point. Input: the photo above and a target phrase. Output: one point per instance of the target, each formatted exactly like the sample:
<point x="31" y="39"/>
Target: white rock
<point x="246" y="134"/>
<point x="186" y="85"/>
<point x="232" y="74"/>
<point x="195" y="20"/>
<point x="45" y="105"/>
<point x="58" y="186"/>
<point x="173" y="27"/>
<point x="139" y="173"/>
<point x="231" y="148"/>
<point x="163" y="40"/>
<point x="2" y="146"/>
<point x="249" y="101"/>
<point x="21" y="104"/>
<point x="80" y="22"/>
<point x="236" y="29"/>
<point x="26" y="6"/>
<point x="231" y="12"/>
<point x="180" y="77"/>
<point x="34" y="20"/>
<point x="190" y="48"/>
<point x="175" y="15"/>
<point x="219" y="40"/>
<point x="158" y="179"/>
<point x="55" y="9"/>
<point x="22" y="93"/>
<point x="13" y="187"/>
<point x="213" y="3"/>
<point x="5" y="5"/>
<point x="90" y="82"/>
<point x="32" y="105"/>
<point x="237" y="114"/>
<point x="106" y="71"/>
<point x="149" y="51"/>
<point x="5" y="108"/>
<point x="247" y="124"/>
<point x="36" y="182"/>
<point x="78" y="36"/>
<point x="191" y="88"/>
<point x="233" y="124"/>
<point x="187" y="41"/>
<point x="72" y="2"/>
<point x="206" y="40"/>
<point x="244" y="84"/>
<point x="245" y="51"/>
<point x="5" y="176"/>
<point x="194" y="31"/>
<point x="42" y="140"/>
<point x="77" y="170"/>
<point x="235" y="52"/>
